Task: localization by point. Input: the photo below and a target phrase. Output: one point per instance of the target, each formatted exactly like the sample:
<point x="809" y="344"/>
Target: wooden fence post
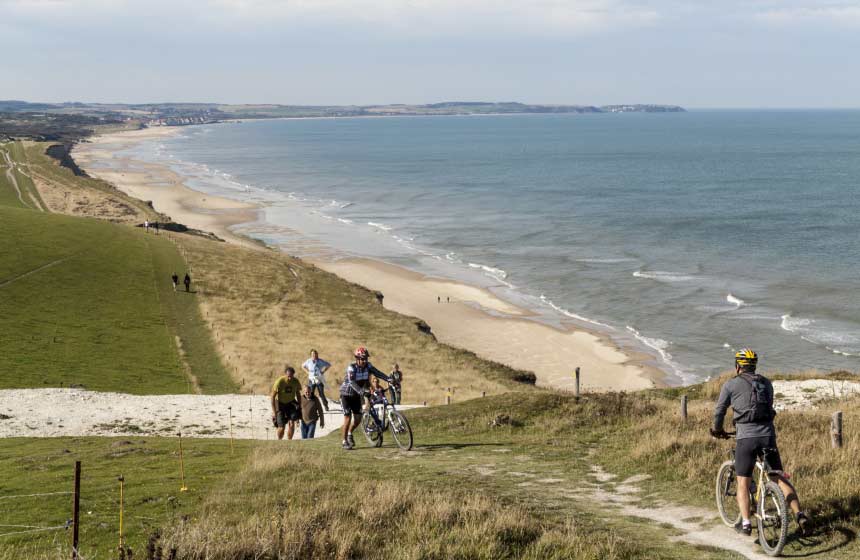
<point x="684" y="407"/>
<point x="836" y="430"/>
<point x="76" y="502"/>
<point x="576" y="389"/>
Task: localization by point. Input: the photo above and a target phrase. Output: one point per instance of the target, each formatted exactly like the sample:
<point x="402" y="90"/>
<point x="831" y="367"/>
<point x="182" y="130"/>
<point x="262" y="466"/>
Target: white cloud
<point x="415" y="16"/>
<point x="805" y="13"/>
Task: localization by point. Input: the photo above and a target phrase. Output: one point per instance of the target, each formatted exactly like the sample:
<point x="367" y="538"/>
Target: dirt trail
<point x="11" y="176"/>
<point x="35" y="270"/>
<point x="697" y="525"/>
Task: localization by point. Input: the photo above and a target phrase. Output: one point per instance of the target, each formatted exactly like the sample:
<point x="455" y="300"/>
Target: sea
<point x="683" y="236"/>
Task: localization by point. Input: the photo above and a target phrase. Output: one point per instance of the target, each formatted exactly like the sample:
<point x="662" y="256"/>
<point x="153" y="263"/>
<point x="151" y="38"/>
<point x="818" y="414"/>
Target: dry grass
<point x="303" y="517"/>
<point x="267" y="310"/>
<point x="827" y="479"/>
<point x="65" y="193"/>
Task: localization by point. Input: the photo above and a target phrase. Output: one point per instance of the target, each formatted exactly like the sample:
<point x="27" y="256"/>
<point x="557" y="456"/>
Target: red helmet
<point x="361" y="352"/>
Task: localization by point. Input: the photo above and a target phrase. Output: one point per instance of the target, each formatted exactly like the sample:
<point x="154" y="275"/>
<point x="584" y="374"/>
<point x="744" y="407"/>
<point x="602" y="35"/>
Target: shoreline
<point x="475" y="320"/>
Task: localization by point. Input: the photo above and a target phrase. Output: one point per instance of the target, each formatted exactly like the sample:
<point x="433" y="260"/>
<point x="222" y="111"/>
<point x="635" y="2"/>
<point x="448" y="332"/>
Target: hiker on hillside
<point x="751" y="397"/>
<point x="187" y="282"/>
<point x="311" y="412"/>
<point x="175" y="279"/>
<point x="316" y="368"/>
<point x="396" y="377"/>
<point x="286" y="402"/>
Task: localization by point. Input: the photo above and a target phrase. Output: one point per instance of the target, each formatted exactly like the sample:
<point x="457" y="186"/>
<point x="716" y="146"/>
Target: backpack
<point x="760" y="409"/>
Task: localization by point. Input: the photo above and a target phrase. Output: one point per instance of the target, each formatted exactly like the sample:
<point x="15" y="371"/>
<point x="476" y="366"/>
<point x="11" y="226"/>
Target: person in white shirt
<point x="316" y="368"/>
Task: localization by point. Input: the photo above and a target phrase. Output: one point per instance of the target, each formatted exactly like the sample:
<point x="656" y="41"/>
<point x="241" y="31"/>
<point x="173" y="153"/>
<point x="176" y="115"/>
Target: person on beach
<point x="175" y="279"/>
<point x="187" y="282"/>
<point x="354" y="387"/>
<point x="316" y="368"/>
<point x="286" y="402"/>
<point x="751" y="397"/>
<point x="311" y="413"/>
<point x="396" y="377"/>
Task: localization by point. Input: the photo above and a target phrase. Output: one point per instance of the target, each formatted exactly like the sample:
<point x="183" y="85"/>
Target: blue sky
<point x="696" y="53"/>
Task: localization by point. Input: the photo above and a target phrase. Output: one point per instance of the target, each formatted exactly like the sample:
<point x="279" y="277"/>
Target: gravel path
<point x="77" y="412"/>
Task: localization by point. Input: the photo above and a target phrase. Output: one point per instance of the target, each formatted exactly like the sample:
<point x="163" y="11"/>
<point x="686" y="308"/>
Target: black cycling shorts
<point x="287" y="412"/>
<point x="749" y="448"/>
<point x="351" y="404"/>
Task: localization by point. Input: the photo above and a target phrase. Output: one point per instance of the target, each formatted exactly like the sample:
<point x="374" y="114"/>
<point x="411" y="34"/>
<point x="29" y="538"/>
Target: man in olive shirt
<point x="286" y="402"/>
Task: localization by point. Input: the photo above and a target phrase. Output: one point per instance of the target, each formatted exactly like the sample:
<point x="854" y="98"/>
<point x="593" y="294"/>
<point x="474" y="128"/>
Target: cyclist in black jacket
<point x="355" y="385"/>
<point x="751" y="398"/>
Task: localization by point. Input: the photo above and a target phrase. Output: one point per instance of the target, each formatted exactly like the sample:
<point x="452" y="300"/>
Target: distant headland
<point x="17" y="118"/>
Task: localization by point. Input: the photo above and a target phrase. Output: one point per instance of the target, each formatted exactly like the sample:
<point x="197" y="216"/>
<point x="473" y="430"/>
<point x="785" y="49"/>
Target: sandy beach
<point x="475" y="319"/>
<point x="161" y="186"/>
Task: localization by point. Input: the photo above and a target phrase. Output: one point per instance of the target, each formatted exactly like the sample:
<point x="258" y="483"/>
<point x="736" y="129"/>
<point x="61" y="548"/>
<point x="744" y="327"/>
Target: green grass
<point x="182" y="314"/>
<point x="152" y="499"/>
<point x="86" y="303"/>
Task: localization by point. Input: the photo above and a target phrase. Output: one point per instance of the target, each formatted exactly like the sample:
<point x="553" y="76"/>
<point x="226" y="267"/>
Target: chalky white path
<point x="77" y="412"/>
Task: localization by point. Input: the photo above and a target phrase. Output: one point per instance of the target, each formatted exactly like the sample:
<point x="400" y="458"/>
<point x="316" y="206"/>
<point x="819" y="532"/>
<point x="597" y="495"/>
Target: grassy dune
<point x="267" y="309"/>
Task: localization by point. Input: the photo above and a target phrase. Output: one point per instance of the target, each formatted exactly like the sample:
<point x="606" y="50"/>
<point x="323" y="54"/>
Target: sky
<point x="694" y="53"/>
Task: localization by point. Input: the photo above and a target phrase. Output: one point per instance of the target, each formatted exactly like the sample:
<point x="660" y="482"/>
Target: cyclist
<point x="751" y="398"/>
<point x="354" y="388"/>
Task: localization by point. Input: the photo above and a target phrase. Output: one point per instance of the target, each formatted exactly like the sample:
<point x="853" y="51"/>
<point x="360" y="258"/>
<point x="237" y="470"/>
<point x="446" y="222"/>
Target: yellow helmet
<point x="746" y="358"/>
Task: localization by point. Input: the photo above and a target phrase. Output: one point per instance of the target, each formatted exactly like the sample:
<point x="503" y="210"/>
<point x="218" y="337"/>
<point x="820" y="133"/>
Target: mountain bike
<point x="382" y="417"/>
<point x="767" y="501"/>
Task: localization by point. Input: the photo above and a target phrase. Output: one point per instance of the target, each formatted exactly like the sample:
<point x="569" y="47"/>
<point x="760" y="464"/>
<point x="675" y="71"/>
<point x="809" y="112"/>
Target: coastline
<point x="161" y="186"/>
<point x="475" y="320"/>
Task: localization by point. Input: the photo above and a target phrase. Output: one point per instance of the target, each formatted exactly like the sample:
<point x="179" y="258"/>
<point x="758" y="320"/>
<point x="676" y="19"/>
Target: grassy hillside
<point x="524" y="488"/>
<point x="267" y="309"/>
<point x="152" y="498"/>
<point x="89" y="303"/>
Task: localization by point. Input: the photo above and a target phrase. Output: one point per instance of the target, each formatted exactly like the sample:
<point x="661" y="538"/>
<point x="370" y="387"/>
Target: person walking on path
<point x="286" y="402"/>
<point x="156" y="228"/>
<point x="187" y="282"/>
<point x="146" y="226"/>
<point x="311" y="412"/>
<point x="316" y="368"/>
<point x="394" y="385"/>
<point x="175" y="279"/>
<point x="751" y="397"/>
<point x="355" y="385"/>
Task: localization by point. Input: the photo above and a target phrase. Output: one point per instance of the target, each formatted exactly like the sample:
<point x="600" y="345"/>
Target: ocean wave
<point x="345" y="221"/>
<point x="834" y="340"/>
<point x="377" y="225"/>
<point x="493" y="272"/>
<point x="453" y="258"/>
<point x="735" y="300"/>
<point x="662" y="348"/>
<point x="606" y="260"/>
<point x="346" y="205"/>
<point x="662" y="276"/>
<point x="572" y="315"/>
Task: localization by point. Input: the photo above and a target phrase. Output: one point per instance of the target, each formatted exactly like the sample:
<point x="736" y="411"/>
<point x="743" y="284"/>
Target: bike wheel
<point x="400" y="429"/>
<point x="727" y="491"/>
<point x="371" y="431"/>
<point x="772" y="520"/>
